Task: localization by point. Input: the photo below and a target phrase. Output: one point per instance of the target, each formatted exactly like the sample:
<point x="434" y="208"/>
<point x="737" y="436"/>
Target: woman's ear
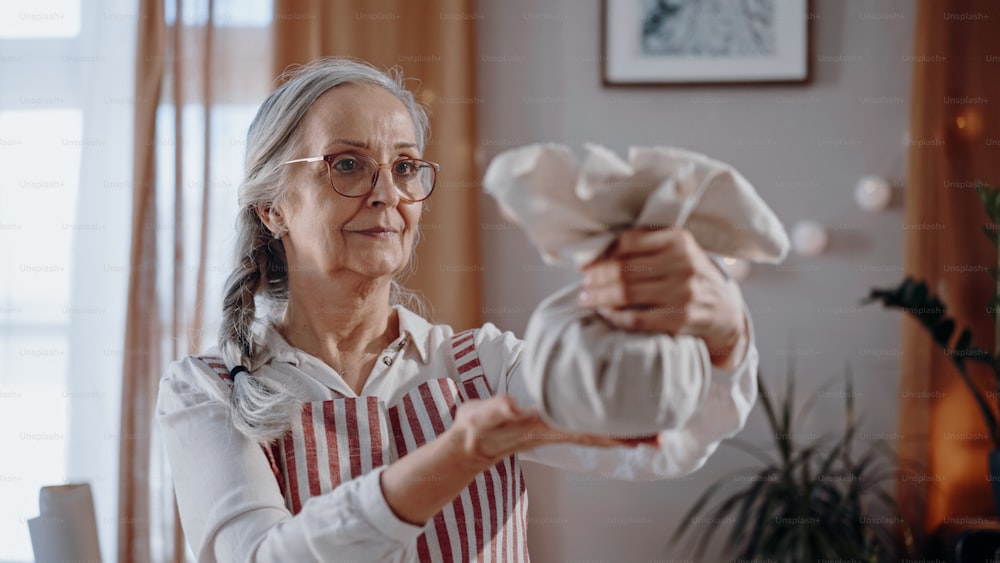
<point x="272" y="218"/>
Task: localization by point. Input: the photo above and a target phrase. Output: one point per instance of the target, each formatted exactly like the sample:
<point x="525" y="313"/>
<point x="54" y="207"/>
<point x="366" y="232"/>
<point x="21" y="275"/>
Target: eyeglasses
<point x="355" y="175"/>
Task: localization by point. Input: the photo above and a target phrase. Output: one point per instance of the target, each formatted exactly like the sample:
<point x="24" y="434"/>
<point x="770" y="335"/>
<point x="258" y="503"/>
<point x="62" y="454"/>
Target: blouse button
<point x="387" y="360"/>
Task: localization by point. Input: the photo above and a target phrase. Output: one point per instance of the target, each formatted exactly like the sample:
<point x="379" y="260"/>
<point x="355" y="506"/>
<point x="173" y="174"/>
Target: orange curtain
<point x="434" y="43"/>
<point x="142" y="333"/>
<point x="955" y="141"/>
<point x="174" y="66"/>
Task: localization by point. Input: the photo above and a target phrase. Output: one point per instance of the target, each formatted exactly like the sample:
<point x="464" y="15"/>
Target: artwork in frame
<point x="705" y="41"/>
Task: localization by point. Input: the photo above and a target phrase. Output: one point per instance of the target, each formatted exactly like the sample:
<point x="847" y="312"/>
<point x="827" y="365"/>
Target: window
<point x="41" y="144"/>
<point x="38" y="212"/>
<point x="40" y="19"/>
<point x="65" y="219"/>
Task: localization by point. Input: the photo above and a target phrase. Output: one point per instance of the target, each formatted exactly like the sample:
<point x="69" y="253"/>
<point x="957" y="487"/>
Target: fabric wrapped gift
<point x="572" y="213"/>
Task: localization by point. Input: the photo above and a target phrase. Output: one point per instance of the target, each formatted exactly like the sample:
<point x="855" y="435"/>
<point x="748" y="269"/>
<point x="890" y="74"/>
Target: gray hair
<point x="258" y="409"/>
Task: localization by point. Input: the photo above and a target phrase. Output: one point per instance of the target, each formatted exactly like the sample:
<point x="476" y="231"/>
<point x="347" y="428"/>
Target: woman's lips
<point x="377" y="232"/>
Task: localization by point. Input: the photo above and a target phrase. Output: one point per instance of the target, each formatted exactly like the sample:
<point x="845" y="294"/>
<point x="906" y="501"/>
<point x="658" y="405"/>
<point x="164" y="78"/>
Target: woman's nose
<point x="384" y="190"/>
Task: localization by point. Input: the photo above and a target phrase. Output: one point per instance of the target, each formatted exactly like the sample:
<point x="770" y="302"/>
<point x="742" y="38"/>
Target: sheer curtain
<point x="66" y="93"/>
<point x="953" y="127"/>
<point x="204" y="70"/>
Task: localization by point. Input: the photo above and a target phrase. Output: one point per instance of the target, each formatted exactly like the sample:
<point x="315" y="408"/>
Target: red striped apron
<point x="340" y="439"/>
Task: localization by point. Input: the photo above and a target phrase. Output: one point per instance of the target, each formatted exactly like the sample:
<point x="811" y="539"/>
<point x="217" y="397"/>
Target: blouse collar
<point x="413" y="328"/>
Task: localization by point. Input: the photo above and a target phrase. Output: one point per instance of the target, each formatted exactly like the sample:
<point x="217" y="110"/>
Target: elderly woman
<point x="342" y="426"/>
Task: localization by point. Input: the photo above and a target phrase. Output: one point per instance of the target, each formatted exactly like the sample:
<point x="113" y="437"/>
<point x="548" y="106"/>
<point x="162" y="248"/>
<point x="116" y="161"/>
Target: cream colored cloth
<point x="572" y="212"/>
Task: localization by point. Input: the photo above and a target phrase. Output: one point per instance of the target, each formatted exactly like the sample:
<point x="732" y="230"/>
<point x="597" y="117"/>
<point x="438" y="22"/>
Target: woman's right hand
<point x="419" y="484"/>
<point x="486" y="431"/>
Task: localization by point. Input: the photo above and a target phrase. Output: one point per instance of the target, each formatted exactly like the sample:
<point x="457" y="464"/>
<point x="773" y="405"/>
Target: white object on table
<point x="66" y="528"/>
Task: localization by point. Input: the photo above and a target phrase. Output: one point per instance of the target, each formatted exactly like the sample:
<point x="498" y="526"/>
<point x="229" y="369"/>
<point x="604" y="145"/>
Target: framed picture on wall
<point x="705" y="41"/>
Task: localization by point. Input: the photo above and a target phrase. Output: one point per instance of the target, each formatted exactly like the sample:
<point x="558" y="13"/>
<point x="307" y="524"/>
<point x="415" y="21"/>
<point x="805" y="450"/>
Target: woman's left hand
<point x="662" y="281"/>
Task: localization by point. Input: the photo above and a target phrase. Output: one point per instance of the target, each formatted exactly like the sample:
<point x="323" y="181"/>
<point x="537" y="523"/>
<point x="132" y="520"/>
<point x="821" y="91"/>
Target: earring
<point x="275" y="216"/>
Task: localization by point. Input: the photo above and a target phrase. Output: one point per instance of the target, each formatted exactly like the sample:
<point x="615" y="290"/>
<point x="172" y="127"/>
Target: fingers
<point x="596" y="440"/>
<point x="636" y="267"/>
<point x="632" y="249"/>
<point x="646" y="320"/>
<point x="644" y="266"/>
<point x="680" y="312"/>
<point x="495" y="428"/>
<point x="660" y="281"/>
<point x="664" y="294"/>
<point x="651" y="440"/>
<point x="670" y="241"/>
<point x="480" y="415"/>
<point x="646" y="241"/>
<point x="540" y="433"/>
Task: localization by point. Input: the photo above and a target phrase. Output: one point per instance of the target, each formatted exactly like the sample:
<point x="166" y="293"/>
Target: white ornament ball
<point x="809" y="238"/>
<point x="872" y="193"/>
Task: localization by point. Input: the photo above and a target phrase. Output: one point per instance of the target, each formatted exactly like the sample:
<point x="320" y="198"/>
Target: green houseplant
<point x="915" y="298"/>
<point x="806" y="502"/>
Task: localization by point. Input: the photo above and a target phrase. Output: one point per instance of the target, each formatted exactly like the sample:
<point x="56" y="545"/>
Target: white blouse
<point x="232" y="509"/>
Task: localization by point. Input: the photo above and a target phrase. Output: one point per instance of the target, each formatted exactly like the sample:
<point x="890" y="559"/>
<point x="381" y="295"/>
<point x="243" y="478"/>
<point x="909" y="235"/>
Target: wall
<point x="803" y="146"/>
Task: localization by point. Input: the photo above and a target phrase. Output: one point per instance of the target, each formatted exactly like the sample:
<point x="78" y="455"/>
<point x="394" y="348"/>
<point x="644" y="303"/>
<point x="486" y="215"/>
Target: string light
<point x="809" y="238"/>
<point x="872" y="193"/>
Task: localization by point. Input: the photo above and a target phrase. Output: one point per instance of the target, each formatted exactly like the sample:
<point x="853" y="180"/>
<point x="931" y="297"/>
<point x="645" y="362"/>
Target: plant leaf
<point x="977" y="394"/>
<point x="990" y="234"/>
<point x="964" y="340"/>
<point x="696" y="509"/>
<point x="942" y="332"/>
<point x="916" y="300"/>
<point x="772" y="418"/>
<point x="786" y="411"/>
<point x="753" y="450"/>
